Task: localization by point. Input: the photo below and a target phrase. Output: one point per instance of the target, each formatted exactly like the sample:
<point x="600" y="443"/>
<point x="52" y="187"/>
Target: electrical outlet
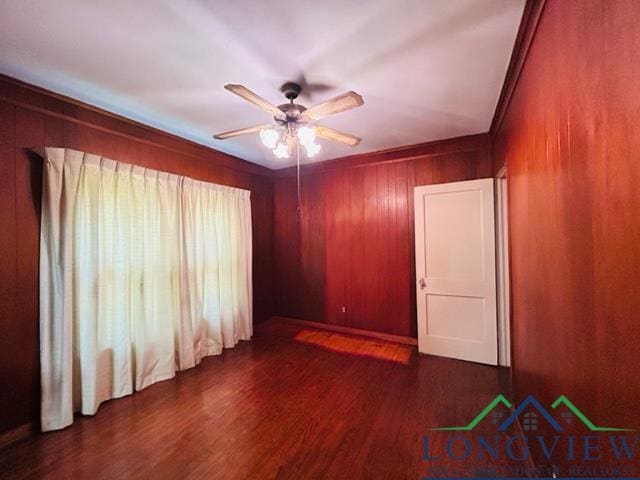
<point x="343" y="309"/>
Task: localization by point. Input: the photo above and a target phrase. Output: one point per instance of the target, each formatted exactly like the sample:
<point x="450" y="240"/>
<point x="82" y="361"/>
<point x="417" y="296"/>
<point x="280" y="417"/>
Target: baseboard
<point x="388" y="337"/>
<point x="15" y="434"/>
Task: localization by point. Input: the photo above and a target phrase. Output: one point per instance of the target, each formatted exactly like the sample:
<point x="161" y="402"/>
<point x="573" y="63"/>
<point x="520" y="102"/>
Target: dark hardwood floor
<point x="270" y="408"/>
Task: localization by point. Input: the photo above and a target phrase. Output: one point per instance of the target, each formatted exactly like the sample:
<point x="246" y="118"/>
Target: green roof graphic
<point x="562" y="400"/>
<point x="494" y="403"/>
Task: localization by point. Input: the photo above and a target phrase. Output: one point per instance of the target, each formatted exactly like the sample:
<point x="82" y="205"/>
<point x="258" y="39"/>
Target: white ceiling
<point x="427" y="69"/>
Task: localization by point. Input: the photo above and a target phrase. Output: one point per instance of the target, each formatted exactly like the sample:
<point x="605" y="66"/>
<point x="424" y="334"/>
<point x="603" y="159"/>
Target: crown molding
<point x="526" y="32"/>
<point x="31" y="97"/>
<point x="466" y="143"/>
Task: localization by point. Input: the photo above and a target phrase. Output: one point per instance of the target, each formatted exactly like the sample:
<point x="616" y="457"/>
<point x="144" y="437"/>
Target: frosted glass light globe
<point x="269" y="137"/>
<point x="306" y="135"/>
<point x="312" y="149"/>
<point x="281" y="151"/>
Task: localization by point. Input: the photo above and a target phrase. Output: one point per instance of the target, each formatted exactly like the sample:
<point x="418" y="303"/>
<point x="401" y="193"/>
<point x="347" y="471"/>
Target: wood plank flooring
<point x="269" y="408"/>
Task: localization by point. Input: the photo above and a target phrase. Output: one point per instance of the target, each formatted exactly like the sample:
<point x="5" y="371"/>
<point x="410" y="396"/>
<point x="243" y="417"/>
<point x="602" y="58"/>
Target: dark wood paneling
<point x="57" y="106"/>
<point x="569" y="138"/>
<point x="400" y="154"/>
<point x="29" y="132"/>
<point x="32" y="118"/>
<point x="11" y="360"/>
<point x="352" y="245"/>
<point x="526" y="32"/>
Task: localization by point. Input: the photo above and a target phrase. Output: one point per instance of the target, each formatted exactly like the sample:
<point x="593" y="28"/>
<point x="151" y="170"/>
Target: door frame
<point x="502" y="268"/>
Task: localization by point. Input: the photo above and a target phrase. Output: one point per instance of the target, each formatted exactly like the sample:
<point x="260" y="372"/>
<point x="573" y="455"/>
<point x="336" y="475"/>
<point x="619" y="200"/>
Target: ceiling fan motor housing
<point x="291" y="90"/>
<point x="292" y="112"/>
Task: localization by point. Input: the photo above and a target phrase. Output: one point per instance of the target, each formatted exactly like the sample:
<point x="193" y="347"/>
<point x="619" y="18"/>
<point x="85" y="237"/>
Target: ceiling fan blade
<point x="337" y="104"/>
<point x="249" y="96"/>
<point x="241" y="131"/>
<point x="336" y="136"/>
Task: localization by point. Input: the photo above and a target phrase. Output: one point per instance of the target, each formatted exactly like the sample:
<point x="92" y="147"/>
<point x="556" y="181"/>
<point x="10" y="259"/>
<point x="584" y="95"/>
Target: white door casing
<point x="502" y="273"/>
<point x="455" y="270"/>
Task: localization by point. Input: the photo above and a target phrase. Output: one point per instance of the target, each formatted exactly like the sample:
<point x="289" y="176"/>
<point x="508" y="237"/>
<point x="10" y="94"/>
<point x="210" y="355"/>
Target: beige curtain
<point x="142" y="273"/>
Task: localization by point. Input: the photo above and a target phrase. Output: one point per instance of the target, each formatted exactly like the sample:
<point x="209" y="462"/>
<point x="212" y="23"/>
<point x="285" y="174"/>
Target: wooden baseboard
<point x="388" y="337"/>
<point x="15" y="434"/>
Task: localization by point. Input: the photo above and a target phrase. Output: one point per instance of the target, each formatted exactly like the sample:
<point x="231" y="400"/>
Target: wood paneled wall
<point x="569" y="138"/>
<point x="33" y="118"/>
<point x="347" y="257"/>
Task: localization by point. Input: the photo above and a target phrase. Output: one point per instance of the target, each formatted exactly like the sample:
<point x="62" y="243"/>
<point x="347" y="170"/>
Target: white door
<point x="455" y="270"/>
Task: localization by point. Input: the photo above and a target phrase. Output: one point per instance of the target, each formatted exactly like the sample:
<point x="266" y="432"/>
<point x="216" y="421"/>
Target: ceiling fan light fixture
<point x="312" y="148"/>
<point x="281" y="150"/>
<point x="270" y="137"/>
<point x="291" y="130"/>
<point x="306" y="135"/>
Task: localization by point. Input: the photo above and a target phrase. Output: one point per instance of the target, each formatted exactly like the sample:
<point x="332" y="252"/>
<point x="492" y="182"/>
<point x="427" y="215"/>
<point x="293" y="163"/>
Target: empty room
<point x="383" y="239"/>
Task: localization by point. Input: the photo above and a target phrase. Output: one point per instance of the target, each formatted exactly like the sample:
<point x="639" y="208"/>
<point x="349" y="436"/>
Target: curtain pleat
<point x="142" y="273"/>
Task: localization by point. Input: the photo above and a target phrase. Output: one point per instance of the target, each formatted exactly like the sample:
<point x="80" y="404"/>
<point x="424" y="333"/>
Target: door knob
<point x="422" y="283"/>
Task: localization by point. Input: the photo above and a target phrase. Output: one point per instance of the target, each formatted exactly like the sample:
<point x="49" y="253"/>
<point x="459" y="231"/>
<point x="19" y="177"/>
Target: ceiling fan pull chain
<point x="299" y="209"/>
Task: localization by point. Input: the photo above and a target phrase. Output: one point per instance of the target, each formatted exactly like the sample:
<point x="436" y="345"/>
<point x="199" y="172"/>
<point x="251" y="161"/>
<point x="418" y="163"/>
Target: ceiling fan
<point x="294" y="124"/>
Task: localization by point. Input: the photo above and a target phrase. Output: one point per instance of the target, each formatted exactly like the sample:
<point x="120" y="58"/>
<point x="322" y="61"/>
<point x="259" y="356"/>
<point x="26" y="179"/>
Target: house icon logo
<point x="532" y="413"/>
<point x="554" y="432"/>
<point x="530" y="418"/>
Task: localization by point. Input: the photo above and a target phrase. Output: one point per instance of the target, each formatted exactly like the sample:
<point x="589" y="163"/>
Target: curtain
<point x="142" y="273"/>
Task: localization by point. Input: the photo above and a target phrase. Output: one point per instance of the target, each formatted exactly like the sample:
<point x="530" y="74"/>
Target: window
<point x="530" y="422"/>
<point x="496" y="417"/>
<point x="567" y="417"/>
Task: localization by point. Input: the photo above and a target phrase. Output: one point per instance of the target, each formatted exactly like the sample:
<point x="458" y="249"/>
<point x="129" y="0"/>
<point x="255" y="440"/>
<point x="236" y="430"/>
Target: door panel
<point x="447" y="238"/>
<point x="455" y="270"/>
<point x="441" y="308"/>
